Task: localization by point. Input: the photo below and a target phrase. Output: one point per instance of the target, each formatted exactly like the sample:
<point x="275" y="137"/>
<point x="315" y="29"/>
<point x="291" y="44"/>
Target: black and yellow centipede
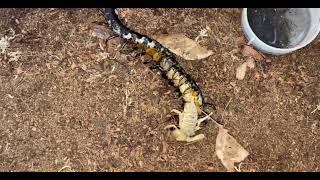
<point x="165" y="59"/>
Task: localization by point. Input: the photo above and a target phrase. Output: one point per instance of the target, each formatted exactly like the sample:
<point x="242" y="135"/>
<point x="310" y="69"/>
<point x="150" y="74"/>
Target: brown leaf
<point x="228" y="150"/>
<point x="183" y="46"/>
<point x="241" y="70"/>
<point x="100" y="32"/>
<point x="248" y="51"/>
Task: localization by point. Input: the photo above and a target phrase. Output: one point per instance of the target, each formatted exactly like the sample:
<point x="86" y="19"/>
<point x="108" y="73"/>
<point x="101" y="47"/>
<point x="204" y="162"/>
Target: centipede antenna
<point x="101" y="11"/>
<point x="110" y="37"/>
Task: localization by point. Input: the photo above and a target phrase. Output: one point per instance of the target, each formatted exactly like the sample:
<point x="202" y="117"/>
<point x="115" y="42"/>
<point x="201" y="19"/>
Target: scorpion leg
<point x="171" y="127"/>
<point x="195" y="138"/>
<point x="176" y="111"/>
<point x="201" y="120"/>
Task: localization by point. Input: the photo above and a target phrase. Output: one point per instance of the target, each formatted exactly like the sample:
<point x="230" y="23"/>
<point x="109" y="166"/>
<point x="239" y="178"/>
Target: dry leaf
<point x="248" y="51"/>
<point x="100" y="32"/>
<point x="183" y="46"/>
<point x="241" y="71"/>
<point x="228" y="150"/>
<point x="4" y="44"/>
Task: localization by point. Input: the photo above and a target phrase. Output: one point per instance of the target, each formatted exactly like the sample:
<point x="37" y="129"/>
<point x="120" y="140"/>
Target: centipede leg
<point x="127" y="48"/>
<point x="111" y="37"/>
<point x="195" y="138"/>
<point x="152" y="64"/>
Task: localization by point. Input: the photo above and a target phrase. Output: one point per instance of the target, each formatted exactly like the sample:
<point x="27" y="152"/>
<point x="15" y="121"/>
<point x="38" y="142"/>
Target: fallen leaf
<point x="248" y="51"/>
<point x="241" y="71"/>
<point x="228" y="150"/>
<point x="4" y="44"/>
<point x="183" y="46"/>
<point x="100" y="32"/>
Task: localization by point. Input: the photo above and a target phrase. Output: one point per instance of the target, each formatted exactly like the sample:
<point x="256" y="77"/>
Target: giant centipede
<point x="165" y="59"/>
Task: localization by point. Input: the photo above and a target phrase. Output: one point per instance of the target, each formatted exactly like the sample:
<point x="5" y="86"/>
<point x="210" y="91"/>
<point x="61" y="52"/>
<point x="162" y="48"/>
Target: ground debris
<point x="183" y="46"/>
<point x="228" y="150"/>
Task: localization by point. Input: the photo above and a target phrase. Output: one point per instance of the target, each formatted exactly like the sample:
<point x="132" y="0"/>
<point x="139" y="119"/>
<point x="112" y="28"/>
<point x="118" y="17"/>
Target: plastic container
<point x="310" y="34"/>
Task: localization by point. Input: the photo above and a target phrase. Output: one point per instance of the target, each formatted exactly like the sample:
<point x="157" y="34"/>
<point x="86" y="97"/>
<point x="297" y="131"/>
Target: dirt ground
<point x="69" y="102"/>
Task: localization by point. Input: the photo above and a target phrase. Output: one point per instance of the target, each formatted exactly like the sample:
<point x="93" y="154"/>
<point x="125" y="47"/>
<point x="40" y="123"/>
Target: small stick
<point x="219" y="125"/>
<point x="317" y="108"/>
<point x="225" y="108"/>
<point x="64" y="167"/>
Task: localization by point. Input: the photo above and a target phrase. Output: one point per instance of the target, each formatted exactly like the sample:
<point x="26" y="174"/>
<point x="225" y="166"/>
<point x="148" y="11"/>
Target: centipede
<point x="170" y="68"/>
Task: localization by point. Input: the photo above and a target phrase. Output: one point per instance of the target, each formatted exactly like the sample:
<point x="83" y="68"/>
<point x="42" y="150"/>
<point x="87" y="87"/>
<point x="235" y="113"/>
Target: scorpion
<point x="171" y="70"/>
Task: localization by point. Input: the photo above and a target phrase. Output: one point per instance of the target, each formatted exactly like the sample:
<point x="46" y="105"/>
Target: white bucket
<point x="310" y="35"/>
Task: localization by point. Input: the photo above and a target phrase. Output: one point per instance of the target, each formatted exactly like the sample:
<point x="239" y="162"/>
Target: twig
<point x="316" y="109"/>
<point x="126" y="102"/>
<point x="225" y="108"/>
<point x="64" y="167"/>
<point x="219" y="125"/>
